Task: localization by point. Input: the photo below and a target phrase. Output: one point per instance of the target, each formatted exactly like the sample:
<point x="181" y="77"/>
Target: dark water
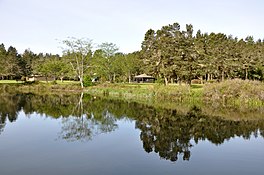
<point x="80" y="134"/>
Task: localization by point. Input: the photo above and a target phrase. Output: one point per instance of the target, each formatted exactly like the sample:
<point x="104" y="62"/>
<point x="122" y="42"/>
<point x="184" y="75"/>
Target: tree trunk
<point x="201" y="79"/>
<point x="129" y="77"/>
<point x="172" y="81"/>
<point x="114" y="77"/>
<point x="246" y="73"/>
<point x="110" y="78"/>
<point x="61" y="78"/>
<point x="189" y="81"/>
<point x="179" y="81"/>
<point x="81" y="81"/>
<point x="166" y="81"/>
<point x="223" y="76"/>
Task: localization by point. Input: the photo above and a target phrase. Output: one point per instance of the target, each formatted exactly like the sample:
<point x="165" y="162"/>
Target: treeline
<point x="169" y="54"/>
<point x="105" y="63"/>
<point x="174" y="54"/>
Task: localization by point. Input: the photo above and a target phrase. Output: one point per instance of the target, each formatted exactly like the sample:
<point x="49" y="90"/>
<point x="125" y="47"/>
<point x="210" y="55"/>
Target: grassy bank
<point x="234" y="99"/>
<point x="235" y="92"/>
<point x="183" y="98"/>
<point x="229" y="93"/>
<point x="170" y="93"/>
<point x="42" y="87"/>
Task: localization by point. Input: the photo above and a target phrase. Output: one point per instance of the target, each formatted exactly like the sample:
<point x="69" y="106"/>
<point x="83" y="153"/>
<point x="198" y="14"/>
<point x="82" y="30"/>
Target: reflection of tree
<point x="167" y="132"/>
<point x="9" y="107"/>
<point x="82" y="116"/>
<point x="85" y="127"/>
<point x="170" y="134"/>
<point x="76" y="128"/>
<point x="2" y="124"/>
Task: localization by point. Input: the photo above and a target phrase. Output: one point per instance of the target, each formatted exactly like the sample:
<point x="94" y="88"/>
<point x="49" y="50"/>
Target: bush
<point x="160" y="81"/>
<point x="31" y="82"/>
<point x="242" y="90"/>
<point x="54" y="82"/>
<point x="87" y="81"/>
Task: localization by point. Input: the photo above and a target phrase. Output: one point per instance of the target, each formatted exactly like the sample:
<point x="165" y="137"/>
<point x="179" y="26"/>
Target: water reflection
<point x="85" y="127"/>
<point x="168" y="133"/>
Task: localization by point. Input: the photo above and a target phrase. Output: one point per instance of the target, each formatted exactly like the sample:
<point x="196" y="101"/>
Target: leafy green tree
<point x="249" y="57"/>
<point x="109" y="50"/>
<point x="155" y="57"/>
<point x="12" y="63"/>
<point x="104" y="62"/>
<point x="99" y="65"/>
<point x="2" y="60"/>
<point x="27" y="59"/>
<point x="189" y="53"/>
<point x="79" y="53"/>
<point x="170" y="53"/>
<point x="131" y="65"/>
<point x="149" y="51"/>
<point x="55" y="67"/>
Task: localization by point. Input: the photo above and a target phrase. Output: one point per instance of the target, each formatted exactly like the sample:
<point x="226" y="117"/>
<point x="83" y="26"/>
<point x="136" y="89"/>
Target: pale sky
<point x="40" y="24"/>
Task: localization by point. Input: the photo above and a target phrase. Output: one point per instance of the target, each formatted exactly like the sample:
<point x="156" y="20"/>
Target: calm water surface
<point x="79" y="134"/>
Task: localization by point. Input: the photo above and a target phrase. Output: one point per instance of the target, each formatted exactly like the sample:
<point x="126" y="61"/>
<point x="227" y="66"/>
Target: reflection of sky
<point x="236" y="156"/>
<point x="31" y="146"/>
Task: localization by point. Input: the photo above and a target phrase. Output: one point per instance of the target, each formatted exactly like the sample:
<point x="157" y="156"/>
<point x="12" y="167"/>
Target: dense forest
<point x="170" y="54"/>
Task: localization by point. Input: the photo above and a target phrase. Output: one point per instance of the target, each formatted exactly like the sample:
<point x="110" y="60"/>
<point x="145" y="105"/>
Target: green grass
<point x="231" y="92"/>
<point x="61" y="83"/>
<point x="10" y="82"/>
<point x="147" y="91"/>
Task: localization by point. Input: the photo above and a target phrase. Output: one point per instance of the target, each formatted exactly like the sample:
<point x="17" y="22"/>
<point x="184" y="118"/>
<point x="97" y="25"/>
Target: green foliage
<point x="79" y="54"/>
<point x="54" y="82"/>
<point x="171" y="53"/>
<point x="87" y="81"/>
<point x="160" y="81"/>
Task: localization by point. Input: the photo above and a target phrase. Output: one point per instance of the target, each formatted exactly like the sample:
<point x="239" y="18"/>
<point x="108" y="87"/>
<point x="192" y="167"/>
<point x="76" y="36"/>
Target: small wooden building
<point x="39" y="78"/>
<point x="144" y="78"/>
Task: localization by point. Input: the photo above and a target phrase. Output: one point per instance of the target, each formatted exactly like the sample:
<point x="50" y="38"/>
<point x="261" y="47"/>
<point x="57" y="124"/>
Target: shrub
<point x="31" y="82"/>
<point x="160" y="81"/>
<point x="242" y="90"/>
<point x="87" y="81"/>
<point x="54" y="82"/>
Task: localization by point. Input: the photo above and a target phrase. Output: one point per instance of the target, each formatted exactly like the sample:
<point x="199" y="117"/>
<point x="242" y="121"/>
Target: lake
<point x="81" y="134"/>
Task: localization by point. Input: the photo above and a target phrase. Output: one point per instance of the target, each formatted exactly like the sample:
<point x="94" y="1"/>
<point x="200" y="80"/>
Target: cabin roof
<point x="143" y="76"/>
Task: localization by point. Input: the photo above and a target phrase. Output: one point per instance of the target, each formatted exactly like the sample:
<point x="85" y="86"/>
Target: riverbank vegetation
<point x="231" y="93"/>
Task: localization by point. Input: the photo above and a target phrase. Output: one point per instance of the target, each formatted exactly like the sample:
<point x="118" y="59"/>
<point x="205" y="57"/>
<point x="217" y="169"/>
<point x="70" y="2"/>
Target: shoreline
<point x="181" y="98"/>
